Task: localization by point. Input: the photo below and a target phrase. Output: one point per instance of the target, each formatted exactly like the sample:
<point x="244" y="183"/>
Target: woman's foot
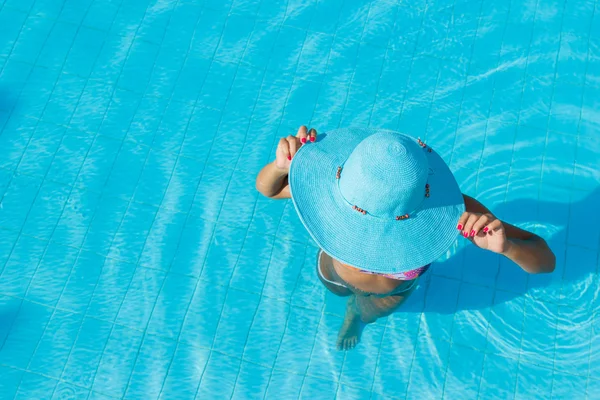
<point x="351" y="329"/>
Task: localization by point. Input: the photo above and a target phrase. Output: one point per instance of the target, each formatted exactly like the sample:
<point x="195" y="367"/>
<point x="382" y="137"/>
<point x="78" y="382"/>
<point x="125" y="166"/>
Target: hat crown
<point x="385" y="175"/>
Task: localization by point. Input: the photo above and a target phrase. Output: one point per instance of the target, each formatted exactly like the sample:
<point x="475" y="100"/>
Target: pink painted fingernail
<point x="459" y="227"/>
<point x="289" y="157"/>
<point x="312" y="138"/>
<point x="486" y="229"/>
<point x="303" y="140"/>
<point x="472" y="233"/>
<point x="465" y="234"/>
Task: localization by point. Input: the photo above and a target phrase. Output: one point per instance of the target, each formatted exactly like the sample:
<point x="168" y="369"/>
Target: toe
<point x="349" y="344"/>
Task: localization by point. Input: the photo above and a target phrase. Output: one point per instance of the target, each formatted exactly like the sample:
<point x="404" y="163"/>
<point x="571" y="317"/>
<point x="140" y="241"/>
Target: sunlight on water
<point x="138" y="260"/>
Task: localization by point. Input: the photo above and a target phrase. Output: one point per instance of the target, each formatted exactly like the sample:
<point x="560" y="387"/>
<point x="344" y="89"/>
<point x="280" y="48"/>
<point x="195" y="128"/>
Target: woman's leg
<point x="372" y="308"/>
<point x="362" y="310"/>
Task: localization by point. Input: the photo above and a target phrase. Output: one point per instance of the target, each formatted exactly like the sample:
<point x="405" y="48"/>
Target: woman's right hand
<point x="288" y="146"/>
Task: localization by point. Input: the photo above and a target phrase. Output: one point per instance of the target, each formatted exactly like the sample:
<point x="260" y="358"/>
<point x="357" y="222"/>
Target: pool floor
<point x="138" y="261"/>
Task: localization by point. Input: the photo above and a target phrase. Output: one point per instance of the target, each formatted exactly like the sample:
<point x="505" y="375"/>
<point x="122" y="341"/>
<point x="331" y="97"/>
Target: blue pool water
<point x="137" y="260"/>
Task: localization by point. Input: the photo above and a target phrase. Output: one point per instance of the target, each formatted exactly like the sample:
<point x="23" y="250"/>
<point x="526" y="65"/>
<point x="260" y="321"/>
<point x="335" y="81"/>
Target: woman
<point x="383" y="206"/>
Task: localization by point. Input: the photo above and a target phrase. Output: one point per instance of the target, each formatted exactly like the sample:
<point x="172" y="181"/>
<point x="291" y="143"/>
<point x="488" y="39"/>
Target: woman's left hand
<point x="485" y="231"/>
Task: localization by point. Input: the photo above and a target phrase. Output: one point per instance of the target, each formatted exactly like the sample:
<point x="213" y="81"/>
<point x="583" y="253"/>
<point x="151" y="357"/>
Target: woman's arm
<point x="272" y="180"/>
<point x="524" y="248"/>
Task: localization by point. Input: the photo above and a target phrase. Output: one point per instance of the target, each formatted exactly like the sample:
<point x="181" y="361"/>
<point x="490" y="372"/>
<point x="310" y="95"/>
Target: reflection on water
<point x="545" y="320"/>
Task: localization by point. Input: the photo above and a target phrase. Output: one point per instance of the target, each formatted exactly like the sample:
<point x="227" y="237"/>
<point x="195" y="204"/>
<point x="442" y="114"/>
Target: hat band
<point x="403" y="217"/>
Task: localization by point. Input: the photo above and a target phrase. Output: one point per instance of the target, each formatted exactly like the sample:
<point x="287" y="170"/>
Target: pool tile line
<point x="427" y="286"/>
<point x="233" y="226"/>
<point x="314" y="342"/>
<point x="466" y="83"/>
<point x="44" y="178"/>
<point x="22" y="226"/>
<point x="414" y="350"/>
<point x="234" y="113"/>
<point x="425" y="134"/>
<point x="213" y="231"/>
<point x="58" y="18"/>
<point x="58" y="381"/>
<point x="85" y="235"/>
<point x="38" y="120"/>
<point x="505" y="195"/>
<point x="487" y="121"/>
<point x="454" y="145"/>
<point x="254" y="209"/>
<point x="253" y="317"/>
<point x="594" y="316"/>
<point x="541" y="176"/>
<point x="137" y="263"/>
<point x="306" y="247"/>
<point x="312" y="116"/>
<point x="450" y="342"/>
<point x="121" y="260"/>
<point x="228" y="167"/>
<point x="273" y="367"/>
<point x="289" y="371"/>
<point x="412" y="61"/>
<point x="188" y="158"/>
<point x="367" y="44"/>
<point x="288" y="303"/>
<point x="514" y="390"/>
<point x="327" y="66"/>
<point x="28" y="12"/>
<point x="579" y="141"/>
<point x="380" y="72"/>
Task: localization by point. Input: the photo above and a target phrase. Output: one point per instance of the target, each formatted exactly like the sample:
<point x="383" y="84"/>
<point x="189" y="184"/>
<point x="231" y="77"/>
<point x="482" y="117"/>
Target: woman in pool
<point x="383" y="206"/>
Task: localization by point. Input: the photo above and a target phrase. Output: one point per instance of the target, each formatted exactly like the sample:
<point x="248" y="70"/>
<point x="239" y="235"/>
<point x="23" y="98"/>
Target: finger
<point x="469" y="224"/>
<point x="313" y="134"/>
<point x="293" y="145"/>
<point x="494" y="226"/>
<point x="302" y="134"/>
<point x="284" y="148"/>
<point x="480" y="224"/>
<point x="462" y="221"/>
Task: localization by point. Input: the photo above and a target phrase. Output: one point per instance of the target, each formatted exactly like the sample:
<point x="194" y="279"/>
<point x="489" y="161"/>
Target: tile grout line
<point x="494" y="291"/>
<point x="334" y="36"/>
<point x="214" y="228"/>
<point x="88" y="227"/>
<point x="158" y="209"/>
<point x="130" y="200"/>
<point x="412" y="62"/>
<point x="245" y="238"/>
<point x="37" y="193"/>
<point x="479" y="17"/>
<point x="19" y="233"/>
<point x="57" y="221"/>
<point x="542" y="172"/>
<point x="383" y="63"/>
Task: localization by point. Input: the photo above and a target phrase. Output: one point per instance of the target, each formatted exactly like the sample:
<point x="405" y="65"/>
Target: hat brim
<point x="369" y="242"/>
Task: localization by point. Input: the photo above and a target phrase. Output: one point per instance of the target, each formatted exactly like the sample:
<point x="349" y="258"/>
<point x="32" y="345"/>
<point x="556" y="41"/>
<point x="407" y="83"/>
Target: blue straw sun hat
<point x="375" y="199"/>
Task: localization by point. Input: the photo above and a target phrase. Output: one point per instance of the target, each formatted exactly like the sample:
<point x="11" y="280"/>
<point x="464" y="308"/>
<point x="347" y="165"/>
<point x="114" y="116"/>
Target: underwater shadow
<point x="8" y="104"/>
<point x="459" y="282"/>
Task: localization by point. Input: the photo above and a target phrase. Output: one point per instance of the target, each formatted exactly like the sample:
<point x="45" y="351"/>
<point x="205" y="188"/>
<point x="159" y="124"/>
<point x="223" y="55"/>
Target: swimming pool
<point x="138" y="261"/>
